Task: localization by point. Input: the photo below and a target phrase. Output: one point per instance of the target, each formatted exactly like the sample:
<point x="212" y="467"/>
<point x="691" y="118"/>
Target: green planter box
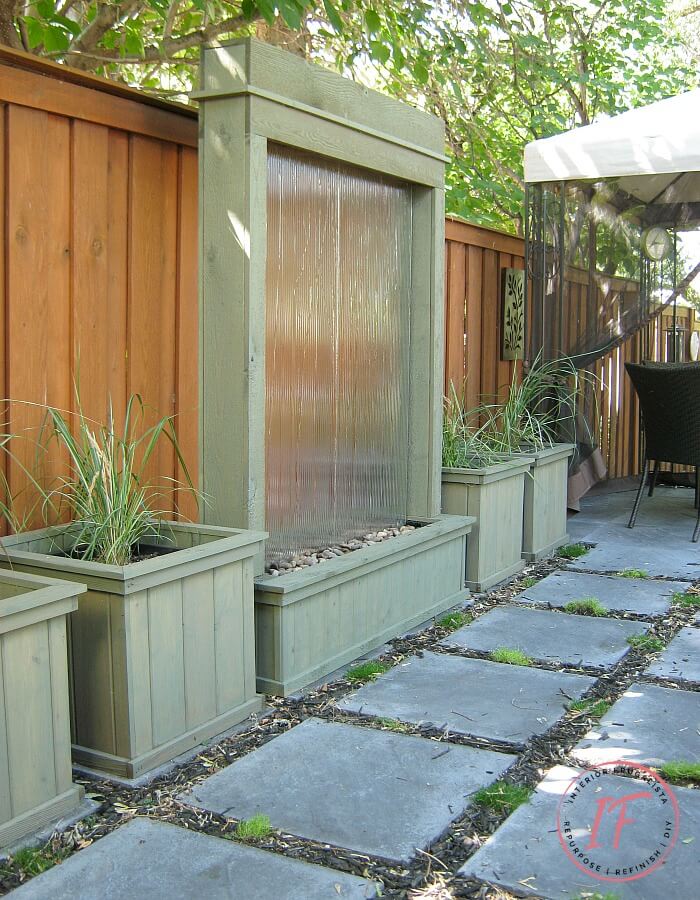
<point x="544" y="505"/>
<point x="161" y="651"/>
<point x="36" y="786"/>
<point x="494" y="495"/>
<point x="310" y="623"/>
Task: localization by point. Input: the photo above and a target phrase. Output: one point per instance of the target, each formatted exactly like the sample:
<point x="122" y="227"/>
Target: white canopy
<point x="653" y="152"/>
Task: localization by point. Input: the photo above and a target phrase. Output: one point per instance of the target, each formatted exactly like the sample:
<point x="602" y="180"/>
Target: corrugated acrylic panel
<point x="338" y="283"/>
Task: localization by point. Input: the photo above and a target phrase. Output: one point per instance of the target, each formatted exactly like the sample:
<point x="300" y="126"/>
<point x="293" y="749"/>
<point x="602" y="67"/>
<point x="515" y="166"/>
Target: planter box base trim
<point x="497" y="577"/>
<point x="123" y="767"/>
<point x="544" y="552"/>
<point x="24" y="825"/>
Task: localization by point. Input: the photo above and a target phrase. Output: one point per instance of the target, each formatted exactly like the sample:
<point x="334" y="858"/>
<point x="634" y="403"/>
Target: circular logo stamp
<point x="618" y="828"/>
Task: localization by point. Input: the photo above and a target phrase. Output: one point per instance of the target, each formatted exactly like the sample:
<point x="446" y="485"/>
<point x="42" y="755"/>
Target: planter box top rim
<point x="512" y="466"/>
<point x="35" y="590"/>
<point x="546" y="454"/>
<point x="224" y="539"/>
<point x="331" y="568"/>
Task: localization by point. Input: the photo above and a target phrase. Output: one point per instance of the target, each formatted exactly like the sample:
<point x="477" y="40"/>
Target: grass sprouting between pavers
<point x="586" y="606"/>
<point x="367" y="671"/>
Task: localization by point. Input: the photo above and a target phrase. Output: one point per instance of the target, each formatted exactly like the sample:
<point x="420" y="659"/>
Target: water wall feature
<point x="338" y="283"/>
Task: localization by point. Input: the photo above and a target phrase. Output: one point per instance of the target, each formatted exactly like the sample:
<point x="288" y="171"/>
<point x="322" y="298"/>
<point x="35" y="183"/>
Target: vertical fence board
<point x="4" y="411"/>
<point x="455" y="318"/>
<point x="472" y="363"/>
<point x="90" y="273"/>
<point x="152" y="285"/>
<point x="187" y="327"/>
<point x="117" y="269"/>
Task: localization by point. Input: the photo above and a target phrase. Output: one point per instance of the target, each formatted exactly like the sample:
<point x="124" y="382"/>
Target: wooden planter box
<point x="310" y="623"/>
<point x="544" y="507"/>
<point x="494" y="495"/>
<point x="161" y="651"/>
<point x="36" y="786"/>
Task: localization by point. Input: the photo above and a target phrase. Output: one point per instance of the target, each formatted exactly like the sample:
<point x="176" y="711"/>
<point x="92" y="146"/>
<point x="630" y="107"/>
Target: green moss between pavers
<point x="633" y="573"/>
<point x="454" y="620"/>
<point x="690" y="600"/>
<point x="681" y="772"/>
<point x="572" y="551"/>
<point x="511" y="656"/>
<point x="595" y="896"/>
<point x="586" y="606"/>
<point x="394" y="725"/>
<point x="366" y="671"/>
<point x="33" y="860"/>
<point x="254" y="829"/>
<point x="502" y="797"/>
<point x="595" y="708"/>
<point x="646" y="642"/>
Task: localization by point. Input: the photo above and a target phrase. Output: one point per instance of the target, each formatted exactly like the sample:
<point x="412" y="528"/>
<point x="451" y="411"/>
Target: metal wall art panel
<point x="513" y="316"/>
<point x="337" y="338"/>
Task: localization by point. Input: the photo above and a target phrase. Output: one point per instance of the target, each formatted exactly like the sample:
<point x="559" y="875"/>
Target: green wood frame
<point x="252" y="94"/>
<point x="162" y="651"/>
<point x="36" y="785"/>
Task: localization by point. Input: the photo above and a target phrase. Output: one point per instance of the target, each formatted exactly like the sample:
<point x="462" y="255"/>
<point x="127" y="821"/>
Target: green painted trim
<point x="249" y="63"/>
<point x="250" y="90"/>
<point x="487" y="474"/>
<point x="549" y="454"/>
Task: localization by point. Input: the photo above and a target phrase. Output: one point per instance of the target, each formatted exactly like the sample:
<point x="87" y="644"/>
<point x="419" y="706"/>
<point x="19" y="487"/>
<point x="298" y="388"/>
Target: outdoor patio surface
<point x="376" y="789"/>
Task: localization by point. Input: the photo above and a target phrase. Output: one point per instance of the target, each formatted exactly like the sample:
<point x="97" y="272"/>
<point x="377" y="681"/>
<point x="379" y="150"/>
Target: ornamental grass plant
<point x="112" y="503"/>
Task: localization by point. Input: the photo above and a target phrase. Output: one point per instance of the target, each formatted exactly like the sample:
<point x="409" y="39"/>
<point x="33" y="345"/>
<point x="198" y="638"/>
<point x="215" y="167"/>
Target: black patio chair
<point x="669" y="398"/>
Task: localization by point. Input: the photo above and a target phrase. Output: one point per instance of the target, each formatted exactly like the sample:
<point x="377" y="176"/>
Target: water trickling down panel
<point x="337" y="332"/>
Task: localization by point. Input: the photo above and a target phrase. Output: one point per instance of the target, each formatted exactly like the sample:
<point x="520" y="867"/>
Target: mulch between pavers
<point x="431" y="874"/>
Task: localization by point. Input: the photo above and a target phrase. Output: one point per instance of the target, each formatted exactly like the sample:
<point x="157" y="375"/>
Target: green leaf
<point x="35" y="31"/>
<point x="55" y="39"/>
<point x="380" y="52"/>
<point x="421" y="73"/>
<point x="290" y="13"/>
<point x="333" y="16"/>
<point x="372" y="21"/>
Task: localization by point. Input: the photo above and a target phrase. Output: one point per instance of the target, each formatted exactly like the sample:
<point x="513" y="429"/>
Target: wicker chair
<point x="669" y="397"/>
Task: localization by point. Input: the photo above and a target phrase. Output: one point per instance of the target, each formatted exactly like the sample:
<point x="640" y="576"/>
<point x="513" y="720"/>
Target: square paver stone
<point x="550" y="636"/>
<point x="648" y="724"/>
<point x="681" y="659"/>
<point x="371" y="791"/>
<point x="470" y="696"/>
<point x="637" y="595"/>
<point x="655" y="550"/>
<point x="525" y="856"/>
<point x="164" y="862"/>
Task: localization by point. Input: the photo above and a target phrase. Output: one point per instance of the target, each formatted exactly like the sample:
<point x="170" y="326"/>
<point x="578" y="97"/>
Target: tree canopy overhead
<point x="498" y="72"/>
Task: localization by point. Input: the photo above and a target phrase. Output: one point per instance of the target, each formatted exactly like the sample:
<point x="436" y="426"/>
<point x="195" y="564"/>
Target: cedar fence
<point x="98" y="261"/>
<point x="98" y="269"/>
<point x="475" y="258"/>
